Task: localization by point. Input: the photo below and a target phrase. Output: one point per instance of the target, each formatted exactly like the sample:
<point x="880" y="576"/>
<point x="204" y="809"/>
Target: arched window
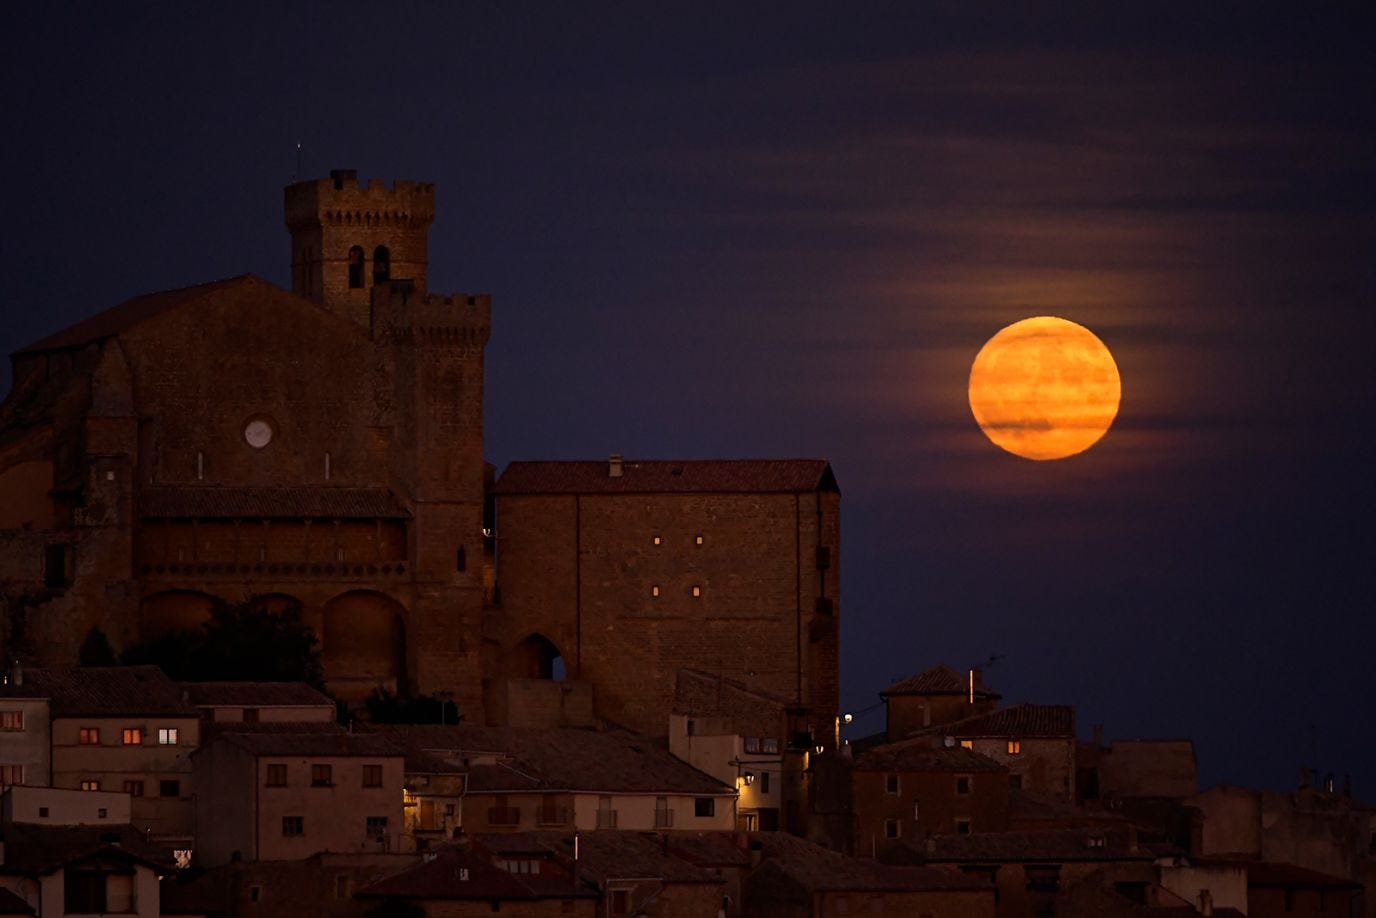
<point x="356" y="267"/>
<point x="382" y="265"/>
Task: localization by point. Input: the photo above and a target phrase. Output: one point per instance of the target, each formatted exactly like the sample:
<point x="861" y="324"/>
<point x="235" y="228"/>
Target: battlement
<point x="411" y="315"/>
<point x="342" y="200"/>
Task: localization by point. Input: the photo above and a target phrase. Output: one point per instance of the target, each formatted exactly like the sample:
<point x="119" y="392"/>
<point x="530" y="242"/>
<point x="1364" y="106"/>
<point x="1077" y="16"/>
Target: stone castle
<point x="324" y="446"/>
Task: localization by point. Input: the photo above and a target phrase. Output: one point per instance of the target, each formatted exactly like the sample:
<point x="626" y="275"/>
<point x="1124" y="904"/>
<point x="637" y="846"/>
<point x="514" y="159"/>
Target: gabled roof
<point x="818" y="869"/>
<point x="254" y="694"/>
<point x="293" y="502"/>
<point x="607" y="854"/>
<point x="720" y="476"/>
<point x="131" y="312"/>
<point x="918" y="755"/>
<point x="1052" y="845"/>
<point x="939" y="680"/>
<point x="1280" y="875"/>
<point x="1019" y="721"/>
<point x="38" y="850"/>
<point x="103" y="691"/>
<point x="455" y="874"/>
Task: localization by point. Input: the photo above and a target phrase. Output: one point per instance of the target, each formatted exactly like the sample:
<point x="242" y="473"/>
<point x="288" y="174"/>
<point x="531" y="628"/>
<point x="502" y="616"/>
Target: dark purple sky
<point x="787" y="232"/>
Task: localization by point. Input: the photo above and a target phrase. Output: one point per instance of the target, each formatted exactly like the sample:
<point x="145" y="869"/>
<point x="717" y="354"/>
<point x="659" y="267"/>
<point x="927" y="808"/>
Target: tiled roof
<point x="919" y="756"/>
<point x="1279" y="874"/>
<point x="1026" y="807"/>
<point x="504" y="778"/>
<point x="721" y="476"/>
<point x="39" y="850"/>
<point x="708" y="849"/>
<point x="1019" y="721"/>
<point x="212" y="729"/>
<point x="819" y="869"/>
<point x="1060" y="845"/>
<point x="607" y="854"/>
<point x="302" y="502"/>
<point x="939" y="680"/>
<point x="131" y="312"/>
<point x="454" y="874"/>
<point x="567" y="758"/>
<point x="254" y="694"/>
<point x="314" y="744"/>
<point x="103" y="691"/>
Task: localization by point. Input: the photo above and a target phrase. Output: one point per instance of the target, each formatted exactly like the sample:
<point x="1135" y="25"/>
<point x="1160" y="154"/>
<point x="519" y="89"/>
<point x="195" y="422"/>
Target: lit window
<point x="891" y="784"/>
<point x="169" y="788"/>
<point x="11" y="774"/>
<point x="90" y="785"/>
<point x="372" y="775"/>
<point x="133" y="736"/>
<point x="11" y="720"/>
<point x="167" y="736"/>
<point x="277" y="775"/>
<point x="1014" y="747"/>
<point x="133" y="788"/>
<point x="657" y="540"/>
<point x="321" y="776"/>
<point x="967" y="744"/>
<point x="697" y="591"/>
<point x="89" y="736"/>
<point x="654" y="590"/>
<point x="891" y="828"/>
<point x="697" y="540"/>
<point x="293" y="825"/>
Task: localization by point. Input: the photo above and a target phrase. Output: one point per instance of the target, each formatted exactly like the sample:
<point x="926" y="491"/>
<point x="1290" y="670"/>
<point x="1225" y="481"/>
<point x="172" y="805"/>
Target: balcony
<point x="606" y="819"/>
<point x="552" y="816"/>
<point x="664" y="819"/>
<point x="504" y="816"/>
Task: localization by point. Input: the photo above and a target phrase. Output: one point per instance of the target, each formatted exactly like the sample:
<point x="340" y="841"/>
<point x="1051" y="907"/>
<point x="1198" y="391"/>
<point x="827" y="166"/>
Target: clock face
<point x="258" y="433"/>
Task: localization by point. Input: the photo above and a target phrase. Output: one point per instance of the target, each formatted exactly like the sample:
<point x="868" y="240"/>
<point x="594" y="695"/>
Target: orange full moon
<point x="1044" y="388"/>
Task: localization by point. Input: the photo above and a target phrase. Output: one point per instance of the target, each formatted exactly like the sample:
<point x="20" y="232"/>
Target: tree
<point x="96" y="649"/>
<point x="386" y="707"/>
<point x="243" y="642"/>
<point x="395" y="908"/>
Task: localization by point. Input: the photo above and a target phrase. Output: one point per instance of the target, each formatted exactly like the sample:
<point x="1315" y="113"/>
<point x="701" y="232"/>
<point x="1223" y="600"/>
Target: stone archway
<point x="537" y="657"/>
<point x="363" y="644"/>
<point x="173" y="610"/>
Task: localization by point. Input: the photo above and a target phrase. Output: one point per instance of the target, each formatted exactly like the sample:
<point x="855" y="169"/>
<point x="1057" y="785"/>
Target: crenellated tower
<point x="347" y="237"/>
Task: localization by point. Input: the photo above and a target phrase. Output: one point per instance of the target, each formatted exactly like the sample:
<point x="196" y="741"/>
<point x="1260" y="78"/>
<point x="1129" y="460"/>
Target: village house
<point x="455" y="883"/>
<point x="933" y="697"/>
<point x="259" y="702"/>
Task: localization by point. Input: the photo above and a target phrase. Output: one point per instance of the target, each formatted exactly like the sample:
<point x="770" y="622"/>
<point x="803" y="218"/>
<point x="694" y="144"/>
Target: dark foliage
<point x="395" y="908"/>
<point x="96" y="650"/>
<point x="245" y="642"/>
<point x="386" y="707"/>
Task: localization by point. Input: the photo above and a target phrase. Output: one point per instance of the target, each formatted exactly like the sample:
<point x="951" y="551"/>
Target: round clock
<point x="258" y="433"/>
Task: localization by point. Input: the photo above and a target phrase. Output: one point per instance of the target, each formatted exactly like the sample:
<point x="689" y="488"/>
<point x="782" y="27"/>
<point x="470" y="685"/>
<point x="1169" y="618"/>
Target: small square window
<point x="102" y="813"/>
<point x="277" y="775"/>
<point x="769" y="745"/>
<point x="90" y="785"/>
<point x="133" y="736"/>
<point x="376" y="826"/>
<point x="89" y="736"/>
<point x="11" y="720"/>
<point x="657" y="540"/>
<point x="1014" y="747"/>
<point x="962" y="827"/>
<point x="42" y="812"/>
<point x="697" y="591"/>
<point x="752" y="744"/>
<point x="255" y="893"/>
<point x="321" y="776"/>
<point x="167" y="736"/>
<point x="963" y="785"/>
<point x="133" y="788"/>
<point x="372" y="775"/>
<point x="891" y="828"/>
<point x="293" y="826"/>
<point x="654" y="590"/>
<point x="169" y="788"/>
<point x="704" y="806"/>
<point x="697" y="540"/>
<point x="891" y="784"/>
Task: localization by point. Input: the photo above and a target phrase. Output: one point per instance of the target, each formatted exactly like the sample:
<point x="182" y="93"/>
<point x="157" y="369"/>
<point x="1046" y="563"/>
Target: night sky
<point x="787" y="232"/>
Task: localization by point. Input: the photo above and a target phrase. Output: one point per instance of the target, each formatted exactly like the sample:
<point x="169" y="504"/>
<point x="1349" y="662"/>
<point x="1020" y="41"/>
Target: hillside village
<point x="643" y="653"/>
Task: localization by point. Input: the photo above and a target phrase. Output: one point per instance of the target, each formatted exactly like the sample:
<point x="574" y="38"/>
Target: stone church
<point x="324" y="446"/>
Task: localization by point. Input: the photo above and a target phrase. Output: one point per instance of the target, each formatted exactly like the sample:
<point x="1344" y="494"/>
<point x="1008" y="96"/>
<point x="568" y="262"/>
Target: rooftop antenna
<point x="988" y="664"/>
<point x="297" y="177"/>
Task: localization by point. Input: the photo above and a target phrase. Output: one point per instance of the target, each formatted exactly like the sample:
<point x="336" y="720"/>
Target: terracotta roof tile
<point x="1060" y="845"/>
<point x="1280" y="874"/>
<point x="103" y="691"/>
<point x="322" y="744"/>
<point x="254" y="694"/>
<point x="730" y="476"/>
<point x="939" y="680"/>
<point x="1025" y="721"/>
<point x="817" y="869"/>
<point x="454" y="874"/>
<point x="919" y="756"/>
<point x="269" y="503"/>
<point x="606" y="854"/>
<point x="39" y="850"/>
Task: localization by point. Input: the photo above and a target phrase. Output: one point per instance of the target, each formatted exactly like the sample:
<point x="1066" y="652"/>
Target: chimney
<point x="1206" y="903"/>
<point x="1328" y="783"/>
<point x="614" y="465"/>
